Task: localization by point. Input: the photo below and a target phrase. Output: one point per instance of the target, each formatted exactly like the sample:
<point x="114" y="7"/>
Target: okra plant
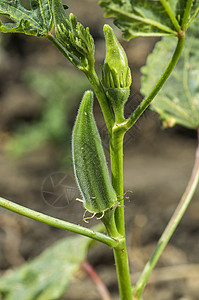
<point x="102" y="195"/>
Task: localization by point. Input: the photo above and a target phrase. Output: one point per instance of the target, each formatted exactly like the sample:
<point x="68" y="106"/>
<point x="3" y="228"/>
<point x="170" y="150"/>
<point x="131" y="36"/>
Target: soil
<point x="157" y="166"/>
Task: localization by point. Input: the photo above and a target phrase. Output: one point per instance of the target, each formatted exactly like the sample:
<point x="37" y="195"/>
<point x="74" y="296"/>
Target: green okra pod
<point x="89" y="161"/>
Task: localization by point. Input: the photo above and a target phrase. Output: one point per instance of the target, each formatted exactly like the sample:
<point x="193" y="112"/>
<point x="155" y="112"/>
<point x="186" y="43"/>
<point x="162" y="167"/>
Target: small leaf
<point x="148" y="17"/>
<point x="178" y="100"/>
<point x="47" y="276"/>
<point x="34" y="21"/>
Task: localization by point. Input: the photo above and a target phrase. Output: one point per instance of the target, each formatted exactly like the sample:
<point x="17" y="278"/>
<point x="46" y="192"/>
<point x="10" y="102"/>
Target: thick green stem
<point x="120" y="252"/>
<point x="35" y="215"/>
<point x="169" y="230"/>
<point x="147" y="101"/>
<point x="116" y="154"/>
<point x="122" y="268"/>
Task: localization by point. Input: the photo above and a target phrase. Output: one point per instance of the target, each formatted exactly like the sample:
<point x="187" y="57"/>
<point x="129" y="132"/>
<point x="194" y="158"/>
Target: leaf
<point x="34" y="21"/>
<point x="48" y="275"/>
<point x="178" y="100"/>
<point x="147" y="17"/>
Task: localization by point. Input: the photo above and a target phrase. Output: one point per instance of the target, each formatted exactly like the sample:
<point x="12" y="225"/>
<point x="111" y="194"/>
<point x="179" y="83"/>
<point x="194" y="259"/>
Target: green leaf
<point x="47" y="276"/>
<point x="148" y="17"/>
<point x="34" y="21"/>
<point x="178" y="100"/>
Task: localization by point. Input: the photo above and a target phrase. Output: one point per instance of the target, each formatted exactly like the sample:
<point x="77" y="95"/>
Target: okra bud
<point x="116" y="74"/>
<point x="89" y="161"/>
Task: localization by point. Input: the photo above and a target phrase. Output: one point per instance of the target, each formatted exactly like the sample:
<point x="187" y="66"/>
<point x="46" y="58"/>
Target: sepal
<point x="116" y="74"/>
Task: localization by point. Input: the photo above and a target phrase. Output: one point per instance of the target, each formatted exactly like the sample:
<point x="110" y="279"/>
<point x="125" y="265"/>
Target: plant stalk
<point x="169" y="230"/>
<point x="116" y="154"/>
<point x="35" y="215"/>
<point x="147" y="101"/>
<point x="120" y="252"/>
<point x="122" y="269"/>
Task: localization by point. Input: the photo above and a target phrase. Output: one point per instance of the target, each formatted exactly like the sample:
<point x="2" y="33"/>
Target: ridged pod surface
<point x="116" y="74"/>
<point x="116" y="70"/>
<point x="89" y="161"/>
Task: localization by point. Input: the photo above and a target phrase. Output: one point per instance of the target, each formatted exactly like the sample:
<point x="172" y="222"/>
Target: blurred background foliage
<point x="58" y="96"/>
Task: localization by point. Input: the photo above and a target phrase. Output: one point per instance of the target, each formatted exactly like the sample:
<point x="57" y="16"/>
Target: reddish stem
<point x="102" y="289"/>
